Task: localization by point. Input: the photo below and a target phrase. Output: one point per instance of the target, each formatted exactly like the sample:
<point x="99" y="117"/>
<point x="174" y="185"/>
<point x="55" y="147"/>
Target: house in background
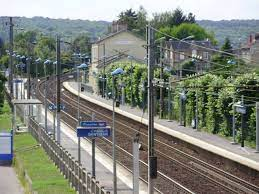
<point x="250" y="51"/>
<point x="117" y="45"/>
<point x="177" y="52"/>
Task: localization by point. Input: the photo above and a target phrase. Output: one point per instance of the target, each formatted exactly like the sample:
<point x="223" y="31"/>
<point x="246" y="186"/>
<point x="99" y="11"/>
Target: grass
<point x="6" y="117"/>
<point x="46" y="178"/>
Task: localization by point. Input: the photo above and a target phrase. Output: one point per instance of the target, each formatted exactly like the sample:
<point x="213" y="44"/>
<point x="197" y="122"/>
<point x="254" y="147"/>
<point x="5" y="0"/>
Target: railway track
<point x="196" y="174"/>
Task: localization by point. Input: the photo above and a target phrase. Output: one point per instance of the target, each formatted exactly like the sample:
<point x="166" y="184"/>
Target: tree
<point x="129" y="17"/>
<point x="4" y="60"/>
<point x="171" y="19"/>
<point x="141" y="21"/>
<point x="186" y="29"/>
<point x="24" y="42"/>
<point x="227" y="47"/>
<point x="81" y="44"/>
<point x="45" y="49"/>
<point x="2" y="46"/>
<point x="2" y="81"/>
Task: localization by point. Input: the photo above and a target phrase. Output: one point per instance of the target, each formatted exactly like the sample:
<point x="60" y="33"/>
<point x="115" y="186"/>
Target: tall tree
<point x="81" y="44"/>
<point x="45" y="49"/>
<point x="129" y="17"/>
<point x="171" y="18"/>
<point x="141" y="21"/>
<point x="24" y="42"/>
<point x="184" y="30"/>
<point x="227" y="47"/>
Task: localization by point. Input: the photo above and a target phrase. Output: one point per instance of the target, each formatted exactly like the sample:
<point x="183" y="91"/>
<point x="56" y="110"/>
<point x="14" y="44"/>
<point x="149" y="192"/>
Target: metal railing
<point x="79" y="179"/>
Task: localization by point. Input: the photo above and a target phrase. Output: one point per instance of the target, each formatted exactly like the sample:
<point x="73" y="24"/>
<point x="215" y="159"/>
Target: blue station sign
<point x="93" y="124"/>
<point x="93" y="131"/>
<point x="54" y="107"/>
<point x="18" y="81"/>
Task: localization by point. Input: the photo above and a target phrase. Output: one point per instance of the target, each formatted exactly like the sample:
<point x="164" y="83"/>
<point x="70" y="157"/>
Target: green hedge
<point x="215" y="97"/>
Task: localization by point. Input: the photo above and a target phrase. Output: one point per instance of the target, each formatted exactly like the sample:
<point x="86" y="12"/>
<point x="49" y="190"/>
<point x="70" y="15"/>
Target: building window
<point x="171" y="54"/>
<point x="205" y="55"/>
<point x="181" y="55"/>
<point x="177" y="56"/>
<point x="194" y="52"/>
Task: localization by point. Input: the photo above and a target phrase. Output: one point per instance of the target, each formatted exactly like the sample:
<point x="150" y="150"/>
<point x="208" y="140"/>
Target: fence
<point x="22" y="172"/>
<point x="79" y="179"/>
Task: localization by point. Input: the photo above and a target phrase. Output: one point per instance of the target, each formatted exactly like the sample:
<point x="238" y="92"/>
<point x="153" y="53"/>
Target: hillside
<point x="234" y="29"/>
<point x="66" y="27"/>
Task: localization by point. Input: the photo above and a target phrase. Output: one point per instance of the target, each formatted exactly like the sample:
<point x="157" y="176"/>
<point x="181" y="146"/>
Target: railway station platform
<point x="210" y="142"/>
<point x="104" y="164"/>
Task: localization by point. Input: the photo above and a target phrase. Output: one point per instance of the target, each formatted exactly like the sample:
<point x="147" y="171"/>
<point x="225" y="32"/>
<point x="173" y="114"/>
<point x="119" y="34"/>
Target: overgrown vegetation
<point x="5" y="117"/>
<point x="45" y="177"/>
<point x="215" y="96"/>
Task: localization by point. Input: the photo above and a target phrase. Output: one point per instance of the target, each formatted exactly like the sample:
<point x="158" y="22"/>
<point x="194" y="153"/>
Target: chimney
<point x="118" y="26"/>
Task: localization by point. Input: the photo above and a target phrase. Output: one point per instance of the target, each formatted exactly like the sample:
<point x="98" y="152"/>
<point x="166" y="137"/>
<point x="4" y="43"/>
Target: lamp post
<point x="47" y="62"/>
<point x="82" y="66"/>
<point x="182" y="108"/>
<point x="23" y="59"/>
<point x="16" y="87"/>
<point x="168" y="69"/>
<point x="18" y="57"/>
<point x="131" y="78"/>
<point x="37" y="61"/>
<point x="116" y="72"/>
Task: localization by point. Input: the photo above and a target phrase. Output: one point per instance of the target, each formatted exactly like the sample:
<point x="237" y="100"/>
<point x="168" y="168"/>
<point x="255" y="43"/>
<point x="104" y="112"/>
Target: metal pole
<point x="123" y="95"/>
<point x="234" y="121"/>
<point x="29" y="84"/>
<point x="16" y="90"/>
<point x="93" y="151"/>
<point x="113" y="139"/>
<point x="161" y="88"/>
<point x="169" y="104"/>
<point x="257" y="127"/>
<point x="151" y="159"/>
<point x="196" y="111"/>
<point x="58" y="70"/>
<point x="45" y="100"/>
<point x="11" y="57"/>
<point x="136" y="165"/>
<point x="36" y="64"/>
<point x="184" y="113"/>
<point x="103" y="81"/>
<point x="242" y="124"/>
<point x="28" y="78"/>
<point x="131" y="87"/>
<point x="21" y="85"/>
<point x="181" y="111"/>
<point x="54" y="124"/>
<point x="78" y="116"/>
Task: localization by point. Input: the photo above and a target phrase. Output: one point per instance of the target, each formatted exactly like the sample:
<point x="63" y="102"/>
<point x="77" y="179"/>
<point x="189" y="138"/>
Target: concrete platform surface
<point x="206" y="141"/>
<point x="9" y="183"/>
<point x="104" y="164"/>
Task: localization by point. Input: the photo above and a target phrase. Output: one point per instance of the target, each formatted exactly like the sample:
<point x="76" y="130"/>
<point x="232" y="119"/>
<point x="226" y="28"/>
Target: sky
<point x="108" y="10"/>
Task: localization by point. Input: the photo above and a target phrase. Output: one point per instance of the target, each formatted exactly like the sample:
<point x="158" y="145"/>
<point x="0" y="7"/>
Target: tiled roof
<point x="114" y="34"/>
<point x="180" y="45"/>
<point x="109" y="36"/>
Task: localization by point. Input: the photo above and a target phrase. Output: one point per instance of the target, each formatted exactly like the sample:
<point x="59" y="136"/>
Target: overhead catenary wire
<point x="193" y="44"/>
<point x="218" y="64"/>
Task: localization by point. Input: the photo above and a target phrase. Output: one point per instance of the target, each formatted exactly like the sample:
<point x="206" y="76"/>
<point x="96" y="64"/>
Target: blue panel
<point x="5" y="157"/>
<point x="18" y="81"/>
<point x="90" y="132"/>
<point x="93" y="124"/>
<point x="7" y="146"/>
